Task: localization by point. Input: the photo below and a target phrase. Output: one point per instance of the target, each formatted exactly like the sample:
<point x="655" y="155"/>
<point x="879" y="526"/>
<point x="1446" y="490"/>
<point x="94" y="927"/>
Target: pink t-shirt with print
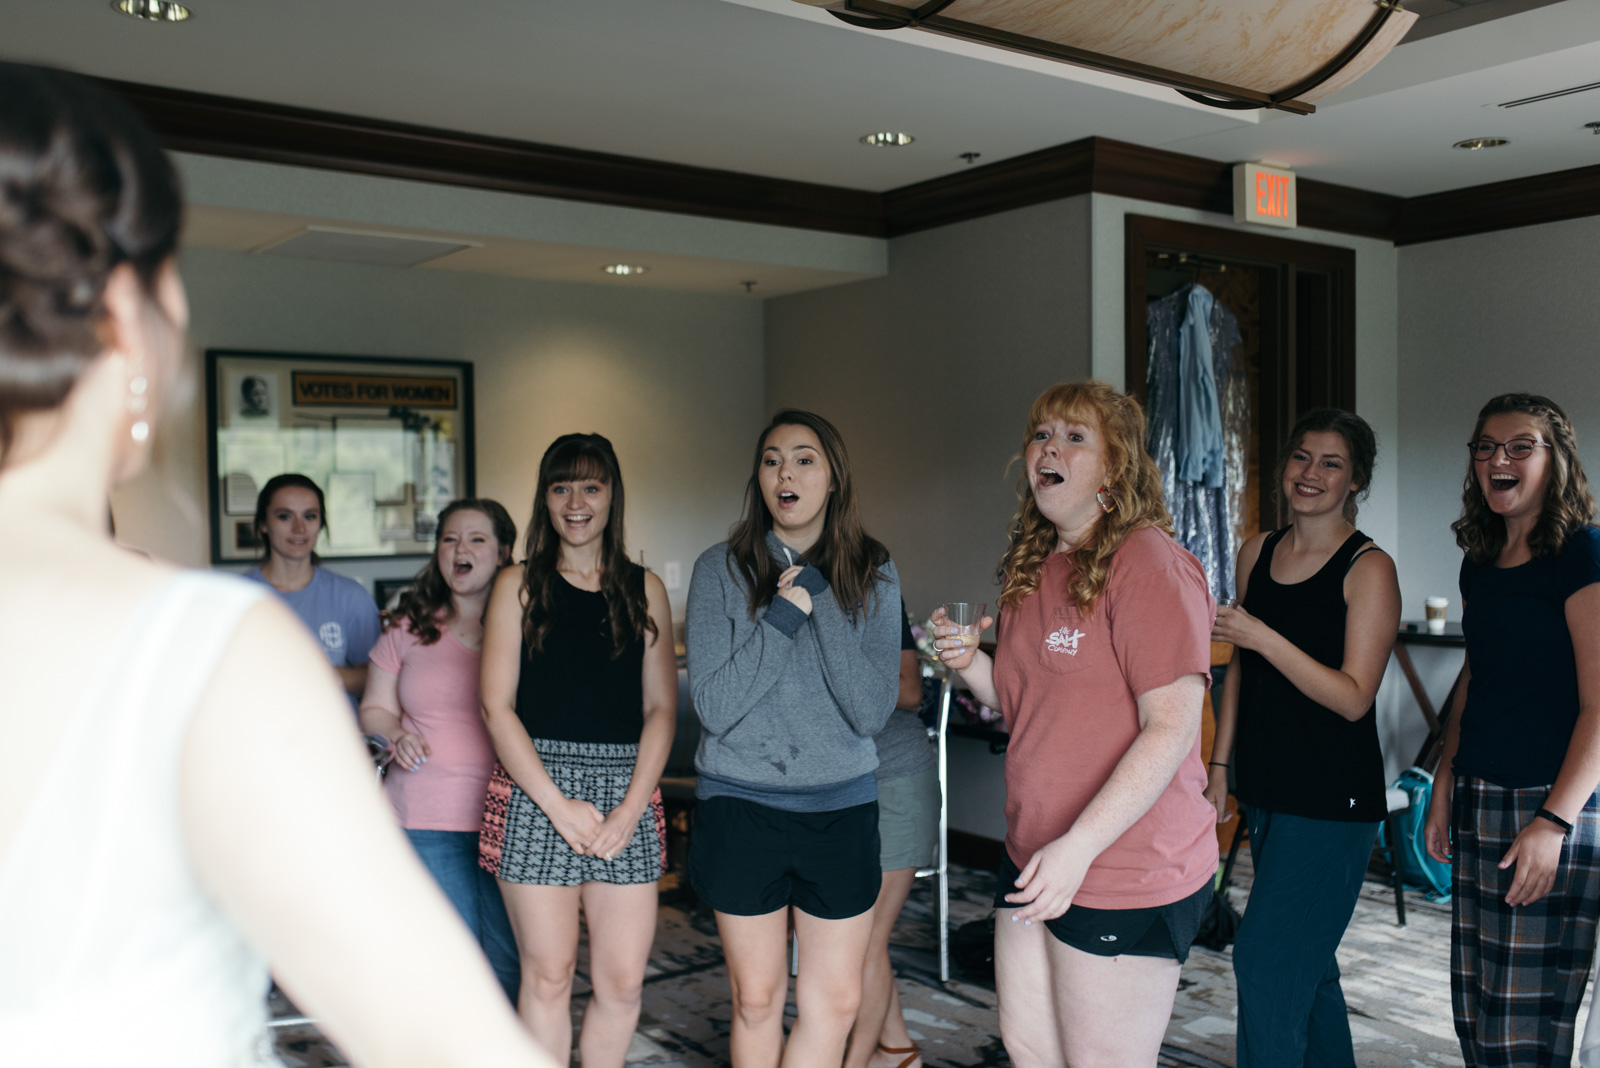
<point x="1068" y="687"/>
<point x="438" y="700"/>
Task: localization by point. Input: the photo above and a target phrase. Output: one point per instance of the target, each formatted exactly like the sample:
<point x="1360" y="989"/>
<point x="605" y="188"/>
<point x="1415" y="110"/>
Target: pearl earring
<point x="137" y="401"/>
<point x="140" y="430"/>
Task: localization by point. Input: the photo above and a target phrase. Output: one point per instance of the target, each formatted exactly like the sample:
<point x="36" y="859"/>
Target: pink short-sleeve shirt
<point x="1069" y="686"/>
<point x="438" y="700"/>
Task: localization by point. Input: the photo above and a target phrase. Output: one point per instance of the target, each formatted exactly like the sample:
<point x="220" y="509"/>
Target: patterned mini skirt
<point x="519" y="844"/>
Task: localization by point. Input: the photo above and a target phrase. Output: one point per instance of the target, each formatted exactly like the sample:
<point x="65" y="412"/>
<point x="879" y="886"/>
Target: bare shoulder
<point x="1371" y="560"/>
<point x="655" y="590"/>
<point x="507" y="586"/>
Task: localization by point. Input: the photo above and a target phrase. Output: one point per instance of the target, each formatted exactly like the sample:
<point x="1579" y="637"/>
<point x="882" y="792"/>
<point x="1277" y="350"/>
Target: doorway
<point x="1294" y="303"/>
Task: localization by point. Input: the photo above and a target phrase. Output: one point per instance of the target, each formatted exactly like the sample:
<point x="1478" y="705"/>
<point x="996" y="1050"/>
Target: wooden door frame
<point x="1280" y="259"/>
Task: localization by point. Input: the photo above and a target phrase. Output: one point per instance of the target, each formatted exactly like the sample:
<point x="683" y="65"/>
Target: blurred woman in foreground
<point x="186" y="799"/>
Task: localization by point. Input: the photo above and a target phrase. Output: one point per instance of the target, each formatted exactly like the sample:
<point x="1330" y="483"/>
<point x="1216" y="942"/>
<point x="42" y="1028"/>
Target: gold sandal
<point x="912" y="1051"/>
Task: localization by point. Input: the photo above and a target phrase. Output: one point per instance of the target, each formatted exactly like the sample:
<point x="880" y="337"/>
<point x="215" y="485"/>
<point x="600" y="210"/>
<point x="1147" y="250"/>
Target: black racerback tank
<point x="1293" y="755"/>
<point x="575" y="690"/>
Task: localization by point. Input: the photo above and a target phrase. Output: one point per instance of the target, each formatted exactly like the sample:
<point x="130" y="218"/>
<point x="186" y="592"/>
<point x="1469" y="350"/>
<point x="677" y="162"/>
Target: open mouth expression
<point x="794" y="477"/>
<point x="579" y="510"/>
<point x="468" y="552"/>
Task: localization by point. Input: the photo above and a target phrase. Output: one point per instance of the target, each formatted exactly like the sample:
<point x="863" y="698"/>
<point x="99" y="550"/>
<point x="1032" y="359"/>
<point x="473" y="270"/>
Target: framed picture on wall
<point x="390" y="441"/>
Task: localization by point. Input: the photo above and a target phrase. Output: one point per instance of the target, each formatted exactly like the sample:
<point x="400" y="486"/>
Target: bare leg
<point x="756" y="949"/>
<point x="877" y="978"/>
<point x="622" y="927"/>
<point x="1071" y="1008"/>
<point x="895" y="1036"/>
<point x="827" y="992"/>
<point x="544" y="920"/>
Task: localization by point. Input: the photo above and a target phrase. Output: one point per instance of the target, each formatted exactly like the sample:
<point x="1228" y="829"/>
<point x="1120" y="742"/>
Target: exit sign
<point x="1264" y="195"/>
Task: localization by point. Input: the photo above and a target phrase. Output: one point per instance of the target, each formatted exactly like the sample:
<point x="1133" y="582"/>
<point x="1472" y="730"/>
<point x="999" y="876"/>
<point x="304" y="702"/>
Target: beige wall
<point x="675" y="380"/>
<point x="929" y="372"/>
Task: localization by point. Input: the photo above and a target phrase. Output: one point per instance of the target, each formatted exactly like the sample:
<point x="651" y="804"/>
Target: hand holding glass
<point x="966" y="619"/>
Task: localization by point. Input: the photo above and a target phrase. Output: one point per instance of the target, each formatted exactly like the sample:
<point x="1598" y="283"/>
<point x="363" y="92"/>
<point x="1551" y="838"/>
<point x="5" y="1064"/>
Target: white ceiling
<point x="772" y="87"/>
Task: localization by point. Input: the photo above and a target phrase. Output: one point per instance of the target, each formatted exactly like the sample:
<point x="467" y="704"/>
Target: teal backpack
<point x="1418" y="871"/>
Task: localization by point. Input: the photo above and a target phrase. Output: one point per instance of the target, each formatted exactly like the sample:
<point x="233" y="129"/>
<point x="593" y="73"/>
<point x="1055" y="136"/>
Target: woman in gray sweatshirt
<point x="794" y="656"/>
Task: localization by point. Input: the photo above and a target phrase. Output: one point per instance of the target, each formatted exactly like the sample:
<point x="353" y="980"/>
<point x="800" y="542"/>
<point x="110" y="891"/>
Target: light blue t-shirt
<point x="338" y="612"/>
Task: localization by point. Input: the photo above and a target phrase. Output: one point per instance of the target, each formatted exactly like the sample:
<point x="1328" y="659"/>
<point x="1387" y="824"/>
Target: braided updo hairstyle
<point x="84" y="187"/>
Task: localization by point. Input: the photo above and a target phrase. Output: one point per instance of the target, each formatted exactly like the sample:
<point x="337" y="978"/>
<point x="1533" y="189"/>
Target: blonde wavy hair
<point x="1131" y="475"/>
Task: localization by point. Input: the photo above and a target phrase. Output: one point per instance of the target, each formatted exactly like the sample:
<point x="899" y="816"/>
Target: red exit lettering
<point x="1272" y="195"/>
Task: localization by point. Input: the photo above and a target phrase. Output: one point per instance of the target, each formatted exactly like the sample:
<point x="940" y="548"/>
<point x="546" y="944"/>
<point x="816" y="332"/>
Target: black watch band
<point x="1546" y="814"/>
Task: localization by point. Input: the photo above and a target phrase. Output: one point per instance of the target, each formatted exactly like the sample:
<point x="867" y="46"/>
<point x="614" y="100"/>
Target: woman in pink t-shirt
<point x="422" y="693"/>
<point x="1102" y="662"/>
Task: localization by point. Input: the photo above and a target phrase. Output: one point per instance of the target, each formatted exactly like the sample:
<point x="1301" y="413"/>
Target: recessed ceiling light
<point x="887" y="140"/>
<point x="152" y="10"/>
<point x="625" y="268"/>
<point x="1473" y="143"/>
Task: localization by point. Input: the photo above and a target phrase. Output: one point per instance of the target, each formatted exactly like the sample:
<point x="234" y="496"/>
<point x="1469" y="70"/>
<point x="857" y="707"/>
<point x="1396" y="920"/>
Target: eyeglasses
<point x="1520" y="449"/>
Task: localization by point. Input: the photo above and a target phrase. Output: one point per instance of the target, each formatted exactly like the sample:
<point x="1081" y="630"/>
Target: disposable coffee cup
<point x="1435" y="608"/>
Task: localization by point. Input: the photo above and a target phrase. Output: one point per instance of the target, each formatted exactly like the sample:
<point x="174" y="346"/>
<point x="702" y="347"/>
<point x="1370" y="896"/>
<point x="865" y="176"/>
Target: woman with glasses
<point x="1518" y="819"/>
<point x="1311" y="635"/>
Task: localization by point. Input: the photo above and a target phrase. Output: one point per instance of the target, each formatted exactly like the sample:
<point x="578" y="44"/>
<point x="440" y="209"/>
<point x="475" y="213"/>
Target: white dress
<point x="111" y="952"/>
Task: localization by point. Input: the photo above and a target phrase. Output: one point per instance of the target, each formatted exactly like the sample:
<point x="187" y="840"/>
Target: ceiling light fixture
<point x="1315" y="47"/>
<point x="1472" y="144"/>
<point x="152" y="10"/>
<point x="1592" y="127"/>
<point x="887" y="140"/>
<point x="624" y="269"/>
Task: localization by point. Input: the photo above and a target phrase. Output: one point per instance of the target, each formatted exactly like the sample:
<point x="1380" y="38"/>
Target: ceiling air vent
<point x="364" y="246"/>
<point x="1550" y="95"/>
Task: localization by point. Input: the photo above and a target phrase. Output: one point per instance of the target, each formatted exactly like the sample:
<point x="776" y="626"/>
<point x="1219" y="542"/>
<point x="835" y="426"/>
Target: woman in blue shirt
<point x="290" y="516"/>
<point x="1518" y="817"/>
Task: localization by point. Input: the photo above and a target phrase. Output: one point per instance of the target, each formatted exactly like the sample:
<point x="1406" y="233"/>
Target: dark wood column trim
<point x="245" y="129"/>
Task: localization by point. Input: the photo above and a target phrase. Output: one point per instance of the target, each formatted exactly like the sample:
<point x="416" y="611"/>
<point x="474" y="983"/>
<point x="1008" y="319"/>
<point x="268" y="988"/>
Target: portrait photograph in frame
<point x="389" y="441"/>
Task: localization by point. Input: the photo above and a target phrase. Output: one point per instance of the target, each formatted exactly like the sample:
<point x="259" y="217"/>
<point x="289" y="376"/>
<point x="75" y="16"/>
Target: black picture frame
<point x="417" y="418"/>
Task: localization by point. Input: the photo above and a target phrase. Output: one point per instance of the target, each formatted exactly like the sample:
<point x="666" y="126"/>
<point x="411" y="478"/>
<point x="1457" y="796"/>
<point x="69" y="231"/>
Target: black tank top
<point x="575" y="690"/>
<point x="1293" y="755"/>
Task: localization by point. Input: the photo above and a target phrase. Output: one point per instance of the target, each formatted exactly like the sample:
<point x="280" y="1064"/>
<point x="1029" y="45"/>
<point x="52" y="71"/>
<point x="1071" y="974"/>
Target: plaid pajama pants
<point x="1517" y="974"/>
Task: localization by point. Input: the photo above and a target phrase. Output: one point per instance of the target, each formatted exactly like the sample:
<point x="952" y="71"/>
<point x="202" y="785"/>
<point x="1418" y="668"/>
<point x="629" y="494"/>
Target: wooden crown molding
<point x="244" y="129"/>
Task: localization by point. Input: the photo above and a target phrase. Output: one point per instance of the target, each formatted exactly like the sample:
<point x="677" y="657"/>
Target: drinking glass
<point x="967" y="618"/>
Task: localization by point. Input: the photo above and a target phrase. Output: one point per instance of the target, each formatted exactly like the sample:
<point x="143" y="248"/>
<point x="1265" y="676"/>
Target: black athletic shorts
<point x="747" y="859"/>
<point x="1161" y="931"/>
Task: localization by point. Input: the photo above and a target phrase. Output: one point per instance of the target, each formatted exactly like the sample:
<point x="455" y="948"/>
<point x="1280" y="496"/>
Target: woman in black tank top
<point x="1319" y="609"/>
<point x="580" y="693"/>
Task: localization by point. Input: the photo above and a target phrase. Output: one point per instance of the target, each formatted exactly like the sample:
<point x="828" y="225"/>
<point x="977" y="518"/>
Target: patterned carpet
<point x="1396" y="983"/>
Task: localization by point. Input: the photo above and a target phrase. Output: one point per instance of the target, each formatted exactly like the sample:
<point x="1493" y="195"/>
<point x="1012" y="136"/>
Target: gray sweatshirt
<point x="788" y="703"/>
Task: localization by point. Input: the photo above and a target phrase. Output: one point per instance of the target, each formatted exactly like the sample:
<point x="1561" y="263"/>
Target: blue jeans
<point x="1307" y="876"/>
<point x="452" y="858"/>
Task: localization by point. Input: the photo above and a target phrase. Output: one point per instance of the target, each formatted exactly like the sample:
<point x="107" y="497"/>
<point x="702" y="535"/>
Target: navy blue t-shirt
<point x="1522" y="700"/>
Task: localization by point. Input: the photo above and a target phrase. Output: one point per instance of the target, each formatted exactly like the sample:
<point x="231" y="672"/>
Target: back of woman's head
<point x="84" y="188"/>
<point x="1359" y="441"/>
<point x="1568" y="504"/>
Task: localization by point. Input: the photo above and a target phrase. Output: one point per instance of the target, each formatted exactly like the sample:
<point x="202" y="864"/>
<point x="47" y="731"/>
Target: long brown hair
<point x="429" y="599"/>
<point x="1568" y="505"/>
<point x="846" y="554"/>
<point x="1130" y="474"/>
<point x="573" y="458"/>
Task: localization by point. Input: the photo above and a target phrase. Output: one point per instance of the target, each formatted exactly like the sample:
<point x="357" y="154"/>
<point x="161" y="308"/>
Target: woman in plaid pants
<point x="1519" y="818"/>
